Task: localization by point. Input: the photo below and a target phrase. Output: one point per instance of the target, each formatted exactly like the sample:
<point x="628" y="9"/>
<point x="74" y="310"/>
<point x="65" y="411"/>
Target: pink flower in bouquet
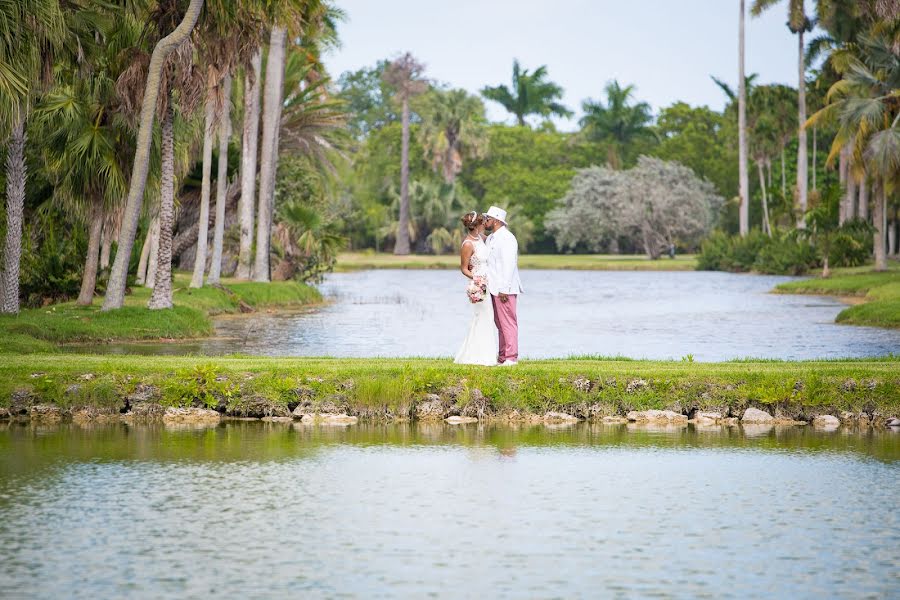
<point x="477" y="289"/>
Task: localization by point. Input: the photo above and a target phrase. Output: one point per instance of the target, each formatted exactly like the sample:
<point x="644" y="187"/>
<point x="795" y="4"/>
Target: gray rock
<point x="46" y="413"/>
<point x="145" y="410"/>
<point x="611" y="420"/>
<point x="190" y="415"/>
<point x="582" y="384"/>
<point x="559" y="417"/>
<point x="457" y="420"/>
<point x="707" y="417"/>
<point x="892" y="422"/>
<point x="657" y="416"/>
<point x="143" y="393"/>
<point x="754" y="415"/>
<point x="826" y="422"/>
<point x="635" y="385"/>
<point x="329" y="419"/>
<point x="432" y="407"/>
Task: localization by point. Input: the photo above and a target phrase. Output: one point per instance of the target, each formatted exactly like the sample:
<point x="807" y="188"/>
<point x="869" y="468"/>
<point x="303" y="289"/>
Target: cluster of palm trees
<point x="452" y="130"/>
<point x="112" y="90"/>
<point x="861" y="73"/>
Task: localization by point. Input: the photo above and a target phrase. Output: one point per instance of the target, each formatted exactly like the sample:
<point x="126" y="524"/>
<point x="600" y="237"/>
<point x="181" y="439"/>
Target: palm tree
<point x="743" y="175"/>
<point x="864" y="106"/>
<point x="618" y="123"/>
<point x="405" y="75"/>
<point x="531" y="94"/>
<point x="83" y="150"/>
<point x="799" y="24"/>
<point x="452" y="126"/>
<point x="271" y="117"/>
<point x="215" y="268"/>
<point x="227" y="37"/>
<point x="31" y="31"/>
<point x="249" y="147"/>
<point x="115" y="290"/>
<point x="306" y="245"/>
<point x="313" y="22"/>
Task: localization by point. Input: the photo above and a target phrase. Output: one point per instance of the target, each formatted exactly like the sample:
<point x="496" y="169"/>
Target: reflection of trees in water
<point x="27" y="449"/>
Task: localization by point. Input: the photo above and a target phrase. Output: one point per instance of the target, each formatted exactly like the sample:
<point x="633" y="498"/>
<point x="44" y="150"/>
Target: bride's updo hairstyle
<point x="472" y="220"/>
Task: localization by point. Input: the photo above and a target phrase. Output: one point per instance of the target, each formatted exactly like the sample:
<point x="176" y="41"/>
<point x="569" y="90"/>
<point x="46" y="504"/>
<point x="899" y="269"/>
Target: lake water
<point x="712" y="316"/>
<point x="256" y="510"/>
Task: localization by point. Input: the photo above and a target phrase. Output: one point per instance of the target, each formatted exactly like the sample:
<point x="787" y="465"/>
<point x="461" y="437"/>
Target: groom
<point x="503" y="283"/>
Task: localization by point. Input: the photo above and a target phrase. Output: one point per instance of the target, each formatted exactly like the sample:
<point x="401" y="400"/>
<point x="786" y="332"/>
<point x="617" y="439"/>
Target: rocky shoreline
<point x="455" y="405"/>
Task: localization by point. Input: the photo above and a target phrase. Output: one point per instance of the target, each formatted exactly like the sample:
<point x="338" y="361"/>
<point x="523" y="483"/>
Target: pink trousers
<point x="508" y="326"/>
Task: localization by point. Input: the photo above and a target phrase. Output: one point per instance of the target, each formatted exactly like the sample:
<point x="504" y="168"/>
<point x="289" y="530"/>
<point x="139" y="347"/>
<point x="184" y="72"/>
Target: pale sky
<point x="667" y="48"/>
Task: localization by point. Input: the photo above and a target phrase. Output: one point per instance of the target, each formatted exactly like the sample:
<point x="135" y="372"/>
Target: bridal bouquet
<point x="477" y="290"/>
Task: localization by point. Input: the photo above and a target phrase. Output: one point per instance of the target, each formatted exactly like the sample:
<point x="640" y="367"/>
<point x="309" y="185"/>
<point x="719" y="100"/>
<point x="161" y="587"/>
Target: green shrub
<point x="785" y="254"/>
<point x="850" y="248"/>
<point x="715" y="252"/>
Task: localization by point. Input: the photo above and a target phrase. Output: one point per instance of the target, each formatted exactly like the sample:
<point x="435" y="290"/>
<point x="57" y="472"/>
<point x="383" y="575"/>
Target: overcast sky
<point x="667" y="48"/>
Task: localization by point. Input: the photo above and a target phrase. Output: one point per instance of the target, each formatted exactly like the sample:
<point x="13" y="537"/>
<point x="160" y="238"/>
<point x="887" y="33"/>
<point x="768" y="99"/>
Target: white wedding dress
<point x="481" y="344"/>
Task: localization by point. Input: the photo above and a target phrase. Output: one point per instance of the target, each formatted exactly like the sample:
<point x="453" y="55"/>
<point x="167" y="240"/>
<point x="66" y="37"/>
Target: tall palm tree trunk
<point x="892" y="236"/>
<point x="15" y="208"/>
<point x="851" y="194"/>
<point x="215" y="269"/>
<point x="765" y="203"/>
<point x="814" y="167"/>
<point x="115" y="290"/>
<point x="105" y="248"/>
<point x="89" y="277"/>
<point x="205" y="184"/>
<point x="153" y="259"/>
<point x="162" y="289"/>
<point x="744" y="177"/>
<point x="272" y="98"/>
<point x="249" y="146"/>
<point x="879" y="218"/>
<point x="145" y="255"/>
<point x="402" y="244"/>
<point x="843" y="171"/>
<point x="802" y="158"/>
<point x="863" y="207"/>
<point x="783" y="175"/>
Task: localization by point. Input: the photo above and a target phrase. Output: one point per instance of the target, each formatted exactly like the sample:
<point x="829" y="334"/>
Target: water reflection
<point x="712" y="316"/>
<point x="248" y="509"/>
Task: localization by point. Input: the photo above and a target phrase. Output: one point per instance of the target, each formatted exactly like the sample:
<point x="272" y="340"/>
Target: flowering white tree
<point x="591" y="211"/>
<point x="654" y="205"/>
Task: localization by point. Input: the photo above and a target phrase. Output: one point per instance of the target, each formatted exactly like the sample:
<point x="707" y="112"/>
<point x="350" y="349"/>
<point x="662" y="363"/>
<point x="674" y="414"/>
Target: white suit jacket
<point x="503" y="263"/>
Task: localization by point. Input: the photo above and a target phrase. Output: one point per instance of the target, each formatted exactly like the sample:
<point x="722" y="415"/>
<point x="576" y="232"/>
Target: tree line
<point x="113" y="106"/>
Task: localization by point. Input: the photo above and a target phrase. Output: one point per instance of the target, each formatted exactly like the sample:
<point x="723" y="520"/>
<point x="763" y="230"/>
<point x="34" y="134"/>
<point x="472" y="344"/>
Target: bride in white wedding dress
<point x="480" y="345"/>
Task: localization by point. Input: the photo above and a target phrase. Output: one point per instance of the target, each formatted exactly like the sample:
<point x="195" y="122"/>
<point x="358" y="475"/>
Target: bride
<point x="480" y="345"/>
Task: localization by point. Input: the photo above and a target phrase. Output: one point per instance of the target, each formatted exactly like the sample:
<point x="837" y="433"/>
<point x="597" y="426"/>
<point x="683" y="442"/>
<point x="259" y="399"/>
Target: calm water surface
<point x="713" y="316"/>
<point x="256" y="510"/>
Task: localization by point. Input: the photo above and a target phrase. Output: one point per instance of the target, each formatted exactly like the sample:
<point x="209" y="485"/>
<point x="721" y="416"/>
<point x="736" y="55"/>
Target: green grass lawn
<point x="879" y="292"/>
<point x="535" y="386"/>
<point x="36" y="330"/>
<point x="357" y="261"/>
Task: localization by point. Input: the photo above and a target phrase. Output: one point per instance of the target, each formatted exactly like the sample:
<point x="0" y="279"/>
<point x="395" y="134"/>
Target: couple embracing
<point x="492" y="265"/>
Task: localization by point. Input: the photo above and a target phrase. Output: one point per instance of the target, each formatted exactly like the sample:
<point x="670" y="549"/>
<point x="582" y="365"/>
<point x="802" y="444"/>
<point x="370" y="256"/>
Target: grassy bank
<point x="878" y="293"/>
<point x="582" y="387"/>
<point x="39" y="329"/>
<point x="357" y="261"/>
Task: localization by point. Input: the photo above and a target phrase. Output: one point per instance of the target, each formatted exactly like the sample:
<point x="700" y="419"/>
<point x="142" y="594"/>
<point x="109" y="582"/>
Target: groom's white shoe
<point x="508" y="363"/>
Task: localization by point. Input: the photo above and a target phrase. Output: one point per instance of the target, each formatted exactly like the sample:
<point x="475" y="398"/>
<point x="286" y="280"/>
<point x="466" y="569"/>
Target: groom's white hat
<point x="497" y="213"/>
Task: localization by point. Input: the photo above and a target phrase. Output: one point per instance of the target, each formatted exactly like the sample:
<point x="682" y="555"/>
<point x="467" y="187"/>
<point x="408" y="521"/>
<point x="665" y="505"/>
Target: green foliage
<point x="785" y="254"/>
<point x="702" y="139"/>
<point x="52" y="262"/>
<point x="203" y="384"/>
